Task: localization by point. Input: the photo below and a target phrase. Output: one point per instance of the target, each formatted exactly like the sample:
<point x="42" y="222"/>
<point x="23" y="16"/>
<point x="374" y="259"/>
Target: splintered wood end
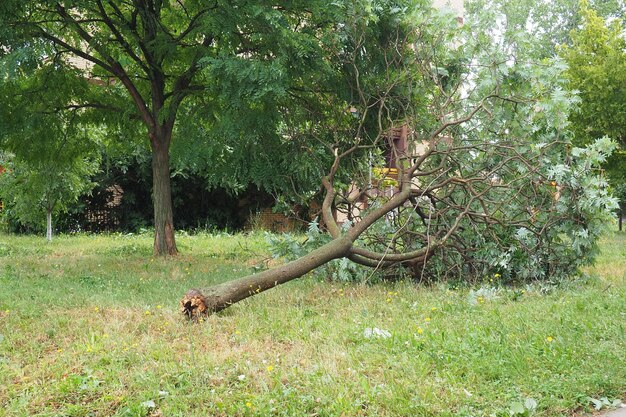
<point x="193" y="304"/>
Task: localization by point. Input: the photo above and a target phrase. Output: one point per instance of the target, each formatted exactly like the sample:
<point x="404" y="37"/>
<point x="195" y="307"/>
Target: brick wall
<point x="266" y="219"/>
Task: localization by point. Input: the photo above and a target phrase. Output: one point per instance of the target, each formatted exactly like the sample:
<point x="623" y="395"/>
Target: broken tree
<point x="483" y="180"/>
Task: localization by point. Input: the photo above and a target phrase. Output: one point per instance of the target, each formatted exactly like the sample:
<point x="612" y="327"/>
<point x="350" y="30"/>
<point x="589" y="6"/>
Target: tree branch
<point x="120" y="38"/>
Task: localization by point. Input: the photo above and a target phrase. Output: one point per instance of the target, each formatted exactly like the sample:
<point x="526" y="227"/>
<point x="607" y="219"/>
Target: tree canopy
<point x="597" y="70"/>
<point x="596" y="62"/>
<point x="32" y="192"/>
<point x="304" y="94"/>
<point x="138" y="66"/>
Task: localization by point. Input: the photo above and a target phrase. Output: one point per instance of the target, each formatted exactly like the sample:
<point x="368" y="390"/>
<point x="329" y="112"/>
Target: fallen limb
<point x="202" y="302"/>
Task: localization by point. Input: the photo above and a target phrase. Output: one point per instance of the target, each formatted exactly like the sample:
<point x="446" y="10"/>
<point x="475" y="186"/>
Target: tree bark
<point x="49" y="225"/>
<point x="196" y="303"/>
<point x="164" y="240"/>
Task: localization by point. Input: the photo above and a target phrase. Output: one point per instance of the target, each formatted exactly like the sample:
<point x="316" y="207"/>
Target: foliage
<point x="568" y="217"/>
<point x="30" y="190"/>
<point x="289" y="247"/>
<point x="537" y="28"/>
<point x="588" y="35"/>
<point x="41" y="115"/>
<point x="616" y="172"/>
<point x="51" y="142"/>
<point x="526" y="408"/>
<point x="300" y="348"/>
<point x="210" y="80"/>
<point x="196" y="206"/>
<point x="507" y="192"/>
<point x="597" y="70"/>
<point x="574" y="212"/>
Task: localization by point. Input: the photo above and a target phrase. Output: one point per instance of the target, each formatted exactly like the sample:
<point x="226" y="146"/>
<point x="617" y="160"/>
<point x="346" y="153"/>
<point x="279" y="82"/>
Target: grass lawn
<point x="89" y="326"/>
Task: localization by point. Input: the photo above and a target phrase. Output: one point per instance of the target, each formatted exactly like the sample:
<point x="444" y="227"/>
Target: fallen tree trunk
<point x="203" y="302"/>
<point x="196" y="303"/>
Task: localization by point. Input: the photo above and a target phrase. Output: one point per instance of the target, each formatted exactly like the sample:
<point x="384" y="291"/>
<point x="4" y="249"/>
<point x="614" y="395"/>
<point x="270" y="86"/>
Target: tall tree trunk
<point x="164" y="241"/>
<point x="49" y="225"/>
<point x="219" y="297"/>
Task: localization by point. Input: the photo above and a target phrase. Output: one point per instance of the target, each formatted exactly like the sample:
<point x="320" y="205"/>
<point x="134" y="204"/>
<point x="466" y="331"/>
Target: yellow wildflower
<point x="420" y="330"/>
<point x="549" y="339"/>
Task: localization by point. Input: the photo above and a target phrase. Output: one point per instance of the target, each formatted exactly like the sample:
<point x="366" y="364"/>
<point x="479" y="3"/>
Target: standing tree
<point x="51" y="143"/>
<point x="489" y="181"/>
<point x="142" y="61"/>
<point x="597" y="70"/>
<point x="31" y="191"/>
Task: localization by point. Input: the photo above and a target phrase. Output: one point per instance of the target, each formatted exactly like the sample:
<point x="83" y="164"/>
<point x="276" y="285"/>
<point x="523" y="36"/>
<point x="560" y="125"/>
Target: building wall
<point x="266" y="219"/>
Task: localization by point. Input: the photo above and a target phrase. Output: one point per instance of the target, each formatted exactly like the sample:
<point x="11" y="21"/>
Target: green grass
<point x="89" y="326"/>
